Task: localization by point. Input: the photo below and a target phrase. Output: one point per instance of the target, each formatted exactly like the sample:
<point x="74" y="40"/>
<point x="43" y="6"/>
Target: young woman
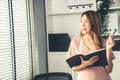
<point x="90" y="39"/>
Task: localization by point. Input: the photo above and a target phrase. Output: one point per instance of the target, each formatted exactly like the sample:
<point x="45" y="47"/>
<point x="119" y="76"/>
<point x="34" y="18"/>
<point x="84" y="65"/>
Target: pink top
<point x="77" y="46"/>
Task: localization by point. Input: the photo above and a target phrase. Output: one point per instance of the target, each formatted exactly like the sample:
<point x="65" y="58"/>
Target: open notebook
<point x="102" y="61"/>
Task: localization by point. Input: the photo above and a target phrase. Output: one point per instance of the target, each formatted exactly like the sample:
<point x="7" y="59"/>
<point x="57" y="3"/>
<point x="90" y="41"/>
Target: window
<point x="15" y="40"/>
<point x="5" y="42"/>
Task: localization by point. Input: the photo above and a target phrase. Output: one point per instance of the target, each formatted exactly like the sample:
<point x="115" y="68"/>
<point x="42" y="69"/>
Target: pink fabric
<point x="77" y="46"/>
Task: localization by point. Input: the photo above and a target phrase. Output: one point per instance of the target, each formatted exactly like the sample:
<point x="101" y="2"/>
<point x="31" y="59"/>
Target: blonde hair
<point x="95" y="22"/>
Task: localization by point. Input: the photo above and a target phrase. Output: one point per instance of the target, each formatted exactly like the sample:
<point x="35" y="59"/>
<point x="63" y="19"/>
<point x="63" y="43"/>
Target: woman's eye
<point x="86" y="21"/>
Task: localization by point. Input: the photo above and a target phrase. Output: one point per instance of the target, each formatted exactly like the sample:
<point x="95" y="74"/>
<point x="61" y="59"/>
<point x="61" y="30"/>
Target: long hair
<point x="95" y="22"/>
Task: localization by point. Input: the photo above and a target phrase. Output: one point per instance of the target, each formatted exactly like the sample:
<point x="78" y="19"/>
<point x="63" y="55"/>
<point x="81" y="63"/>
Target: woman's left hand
<point x="110" y="42"/>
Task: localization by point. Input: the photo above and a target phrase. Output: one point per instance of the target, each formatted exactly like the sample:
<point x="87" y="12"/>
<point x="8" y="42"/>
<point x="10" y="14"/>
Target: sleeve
<point x="71" y="49"/>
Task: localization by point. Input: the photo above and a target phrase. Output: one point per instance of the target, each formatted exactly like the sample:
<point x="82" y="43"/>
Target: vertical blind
<point x="5" y="42"/>
<point x="21" y="39"/>
<point x="15" y="43"/>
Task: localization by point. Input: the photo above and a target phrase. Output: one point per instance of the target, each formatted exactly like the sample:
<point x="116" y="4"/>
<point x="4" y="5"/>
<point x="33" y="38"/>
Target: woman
<point x="90" y="39"/>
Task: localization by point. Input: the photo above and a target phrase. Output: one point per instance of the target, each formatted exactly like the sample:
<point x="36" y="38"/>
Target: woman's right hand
<point x="85" y="63"/>
<point x="89" y="62"/>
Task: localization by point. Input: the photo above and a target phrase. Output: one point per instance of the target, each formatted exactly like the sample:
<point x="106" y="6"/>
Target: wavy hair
<point x="95" y="22"/>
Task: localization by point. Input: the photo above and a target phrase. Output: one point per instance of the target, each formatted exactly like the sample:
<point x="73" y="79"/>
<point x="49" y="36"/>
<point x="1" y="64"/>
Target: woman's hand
<point x="110" y="42"/>
<point x="85" y="63"/>
<point x="89" y="62"/>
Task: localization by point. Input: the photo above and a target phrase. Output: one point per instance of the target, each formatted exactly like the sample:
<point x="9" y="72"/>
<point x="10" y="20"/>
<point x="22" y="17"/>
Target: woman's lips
<point x="83" y="29"/>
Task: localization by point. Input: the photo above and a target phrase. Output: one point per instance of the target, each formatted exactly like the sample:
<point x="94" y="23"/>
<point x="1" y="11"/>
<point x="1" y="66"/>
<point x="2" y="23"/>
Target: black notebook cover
<point x="102" y="61"/>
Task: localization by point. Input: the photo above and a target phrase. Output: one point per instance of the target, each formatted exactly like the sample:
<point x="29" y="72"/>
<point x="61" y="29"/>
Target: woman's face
<point x="85" y="25"/>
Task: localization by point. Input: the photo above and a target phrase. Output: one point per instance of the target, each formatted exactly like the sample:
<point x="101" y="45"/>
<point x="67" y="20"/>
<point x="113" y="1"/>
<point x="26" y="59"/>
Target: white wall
<point x="60" y="19"/>
<point x="67" y="24"/>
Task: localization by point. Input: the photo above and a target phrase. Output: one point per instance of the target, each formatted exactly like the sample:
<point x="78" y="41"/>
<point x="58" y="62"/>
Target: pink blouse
<point x="77" y="46"/>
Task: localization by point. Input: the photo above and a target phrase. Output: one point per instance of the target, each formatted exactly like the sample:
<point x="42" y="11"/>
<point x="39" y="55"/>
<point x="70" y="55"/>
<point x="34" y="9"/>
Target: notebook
<point x="102" y="61"/>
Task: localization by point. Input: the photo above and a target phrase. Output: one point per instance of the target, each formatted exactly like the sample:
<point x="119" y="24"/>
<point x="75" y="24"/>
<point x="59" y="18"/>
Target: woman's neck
<point x="87" y="37"/>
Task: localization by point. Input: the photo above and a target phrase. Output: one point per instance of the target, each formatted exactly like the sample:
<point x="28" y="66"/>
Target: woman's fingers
<point x="93" y="60"/>
<point x="110" y="41"/>
<point x="110" y="38"/>
<point x="81" y="58"/>
<point x="90" y="61"/>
